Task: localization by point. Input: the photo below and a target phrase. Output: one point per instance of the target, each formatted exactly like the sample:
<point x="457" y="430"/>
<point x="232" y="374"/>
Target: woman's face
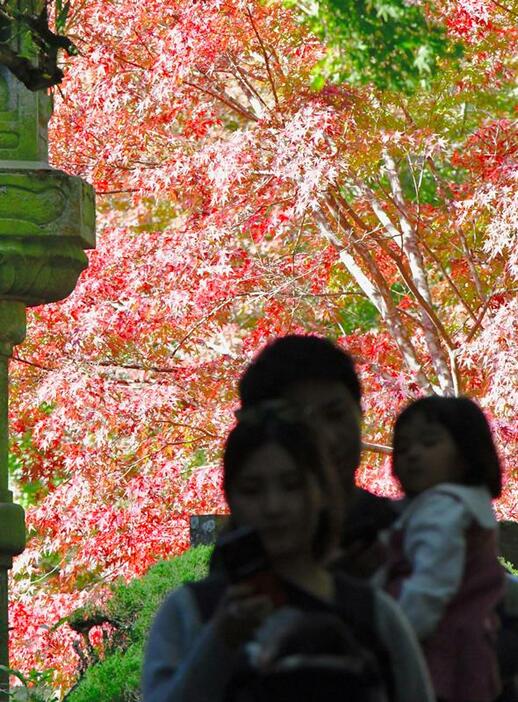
<point x="280" y="501"/>
<point x="425" y="455"/>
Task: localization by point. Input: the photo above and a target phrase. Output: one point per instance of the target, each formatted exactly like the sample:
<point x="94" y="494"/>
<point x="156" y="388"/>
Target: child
<point x="443" y="567"/>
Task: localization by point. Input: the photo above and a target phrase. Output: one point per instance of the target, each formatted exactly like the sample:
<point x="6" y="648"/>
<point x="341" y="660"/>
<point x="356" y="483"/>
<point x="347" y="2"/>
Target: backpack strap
<point x="356" y="600"/>
<point x="207" y="593"/>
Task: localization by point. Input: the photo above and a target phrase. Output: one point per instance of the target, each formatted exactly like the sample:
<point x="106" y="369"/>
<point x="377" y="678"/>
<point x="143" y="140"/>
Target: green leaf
<point x="14" y="672"/>
<point x="424" y="59"/>
<point x="318" y="81"/>
<point x="387" y="43"/>
<point x="62" y="10"/>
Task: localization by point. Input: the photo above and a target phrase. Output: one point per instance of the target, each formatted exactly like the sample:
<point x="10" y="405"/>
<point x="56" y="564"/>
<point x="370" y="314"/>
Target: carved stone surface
<point x="47" y="218"/>
<point x="204" y="528"/>
<point x="12" y="326"/>
<point x="46" y="202"/>
<point x="23" y="122"/>
<point x="24" y="115"/>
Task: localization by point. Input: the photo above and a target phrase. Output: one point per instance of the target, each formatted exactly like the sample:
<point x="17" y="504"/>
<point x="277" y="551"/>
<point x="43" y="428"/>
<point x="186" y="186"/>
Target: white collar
<point x="475" y="498"/>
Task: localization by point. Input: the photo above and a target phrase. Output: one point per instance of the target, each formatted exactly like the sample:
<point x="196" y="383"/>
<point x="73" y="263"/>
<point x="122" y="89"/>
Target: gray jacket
<point x="186" y="660"/>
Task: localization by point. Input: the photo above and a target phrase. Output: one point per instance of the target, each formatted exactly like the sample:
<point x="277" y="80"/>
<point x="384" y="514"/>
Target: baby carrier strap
<point x="357" y="603"/>
<point x="355" y="599"/>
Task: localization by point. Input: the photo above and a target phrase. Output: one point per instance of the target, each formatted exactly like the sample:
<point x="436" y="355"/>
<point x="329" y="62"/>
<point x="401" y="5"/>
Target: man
<point x="319" y="378"/>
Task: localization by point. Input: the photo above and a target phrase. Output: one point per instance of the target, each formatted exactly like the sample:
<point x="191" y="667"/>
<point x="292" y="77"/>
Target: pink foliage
<point x="236" y="204"/>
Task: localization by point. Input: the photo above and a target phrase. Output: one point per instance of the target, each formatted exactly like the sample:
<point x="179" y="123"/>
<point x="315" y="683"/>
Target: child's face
<point x="425" y="455"/>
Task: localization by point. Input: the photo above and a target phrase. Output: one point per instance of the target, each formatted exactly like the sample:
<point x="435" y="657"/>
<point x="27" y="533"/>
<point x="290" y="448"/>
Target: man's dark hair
<point x="468" y="427"/>
<point x="294" y="358"/>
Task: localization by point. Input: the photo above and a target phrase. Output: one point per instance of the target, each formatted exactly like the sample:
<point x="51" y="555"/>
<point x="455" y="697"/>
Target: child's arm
<point x="435" y="545"/>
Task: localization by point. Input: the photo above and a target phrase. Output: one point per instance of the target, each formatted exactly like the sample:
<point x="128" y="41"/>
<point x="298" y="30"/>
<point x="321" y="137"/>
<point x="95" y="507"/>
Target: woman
<point x="276" y="482"/>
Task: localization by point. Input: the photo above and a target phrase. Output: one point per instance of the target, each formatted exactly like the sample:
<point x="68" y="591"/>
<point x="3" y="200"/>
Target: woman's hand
<point x="240" y="612"/>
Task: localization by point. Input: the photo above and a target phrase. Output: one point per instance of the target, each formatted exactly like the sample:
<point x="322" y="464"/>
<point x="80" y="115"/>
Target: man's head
<point x="319" y="377"/>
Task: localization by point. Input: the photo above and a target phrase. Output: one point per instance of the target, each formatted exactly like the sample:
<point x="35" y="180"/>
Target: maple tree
<point x="236" y="202"/>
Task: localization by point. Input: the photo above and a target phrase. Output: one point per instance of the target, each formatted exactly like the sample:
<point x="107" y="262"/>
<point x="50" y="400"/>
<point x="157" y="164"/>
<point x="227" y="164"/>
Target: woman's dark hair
<point x="469" y="429"/>
<point x="298" y="440"/>
<point x="292" y="359"/>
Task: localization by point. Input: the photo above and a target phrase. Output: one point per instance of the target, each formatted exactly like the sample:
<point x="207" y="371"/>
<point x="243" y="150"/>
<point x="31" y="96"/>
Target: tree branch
<point x="464" y="244"/>
<point x="504" y="8"/>
<point x="407" y="278"/>
<point x="377" y="448"/>
<point x="247" y="87"/>
<point x="377" y="292"/>
<point x="32" y="363"/>
<point x="228" y="101"/>
<point x="428" y="250"/>
<point x="266" y="60"/>
<point x="416" y="277"/>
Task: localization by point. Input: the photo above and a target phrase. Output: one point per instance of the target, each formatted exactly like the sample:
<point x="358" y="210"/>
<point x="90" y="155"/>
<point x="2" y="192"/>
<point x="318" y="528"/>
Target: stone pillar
<point x="12" y="527"/>
<point x="47" y="219"/>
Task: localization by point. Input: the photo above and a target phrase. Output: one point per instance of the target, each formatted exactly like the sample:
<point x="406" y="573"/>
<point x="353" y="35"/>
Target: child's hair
<point x="294" y="358"/>
<point x="469" y="429"/>
<point x="263" y="427"/>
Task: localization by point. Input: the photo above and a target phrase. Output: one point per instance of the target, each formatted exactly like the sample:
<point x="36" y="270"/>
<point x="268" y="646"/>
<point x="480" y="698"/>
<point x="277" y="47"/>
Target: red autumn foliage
<point x="236" y="204"/>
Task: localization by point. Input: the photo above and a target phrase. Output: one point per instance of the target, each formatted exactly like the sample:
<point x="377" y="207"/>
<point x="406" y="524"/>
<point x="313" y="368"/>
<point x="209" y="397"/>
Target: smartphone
<point x="244" y="559"/>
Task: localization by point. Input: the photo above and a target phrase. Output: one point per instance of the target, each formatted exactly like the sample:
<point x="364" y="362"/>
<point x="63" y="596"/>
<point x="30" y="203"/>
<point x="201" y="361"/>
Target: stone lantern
<point x="47" y="219"/>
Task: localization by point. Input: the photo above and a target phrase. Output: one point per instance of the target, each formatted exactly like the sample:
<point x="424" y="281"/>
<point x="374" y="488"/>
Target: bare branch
<point x="226" y="100"/>
<point x="419" y="223"/>
<point x="402" y="269"/>
<point x="376" y="448"/>
<point x="248" y="88"/>
<point x="448" y="278"/>
<point x="504" y="8"/>
<point x="266" y="60"/>
<point x="31" y="363"/>
<point x="416" y="277"/>
<point x="375" y="286"/>
<point x="447" y="194"/>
